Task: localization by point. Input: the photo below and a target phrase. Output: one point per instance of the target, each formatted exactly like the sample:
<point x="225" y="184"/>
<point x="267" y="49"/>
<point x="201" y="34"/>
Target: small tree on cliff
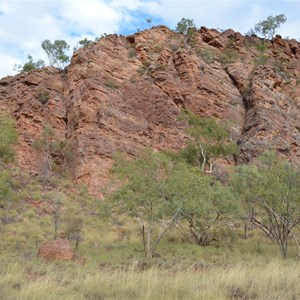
<point x="267" y="28"/>
<point x="210" y="142"/>
<point x="29" y="65"/>
<point x="56" y="52"/>
<point x="187" y="27"/>
<point x="82" y="43"/>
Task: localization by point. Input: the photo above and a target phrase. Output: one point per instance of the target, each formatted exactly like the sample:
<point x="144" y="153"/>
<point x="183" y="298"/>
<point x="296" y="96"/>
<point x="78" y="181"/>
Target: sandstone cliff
<point x="124" y="93"/>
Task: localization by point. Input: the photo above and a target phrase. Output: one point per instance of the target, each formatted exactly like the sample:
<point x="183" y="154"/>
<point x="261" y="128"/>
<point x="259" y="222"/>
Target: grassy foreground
<point x="115" y="268"/>
<point x="253" y="280"/>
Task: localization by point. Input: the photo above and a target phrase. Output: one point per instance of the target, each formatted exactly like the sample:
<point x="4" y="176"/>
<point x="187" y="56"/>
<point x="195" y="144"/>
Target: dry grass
<point x="115" y="269"/>
<point x="256" y="280"/>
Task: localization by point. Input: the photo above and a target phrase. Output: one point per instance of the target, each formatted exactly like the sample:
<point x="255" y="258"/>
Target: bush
<point x="43" y="96"/>
<point x="111" y="84"/>
<point x="141" y="70"/>
<point x="228" y="56"/>
<point x="29" y="65"/>
<point x="207" y="55"/>
<point x="131" y="53"/>
<point x="8" y="137"/>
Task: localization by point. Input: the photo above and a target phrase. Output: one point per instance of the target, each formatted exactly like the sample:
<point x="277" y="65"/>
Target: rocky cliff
<point x="125" y="93"/>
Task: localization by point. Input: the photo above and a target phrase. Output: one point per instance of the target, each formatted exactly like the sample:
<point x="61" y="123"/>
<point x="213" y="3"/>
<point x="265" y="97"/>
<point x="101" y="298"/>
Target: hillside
<point x="125" y="93"/>
<point x="162" y="228"/>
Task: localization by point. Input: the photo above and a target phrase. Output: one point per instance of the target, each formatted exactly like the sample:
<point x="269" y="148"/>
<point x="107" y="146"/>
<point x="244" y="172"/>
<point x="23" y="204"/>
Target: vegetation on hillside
<point x="267" y="28"/>
<point x="167" y="228"/>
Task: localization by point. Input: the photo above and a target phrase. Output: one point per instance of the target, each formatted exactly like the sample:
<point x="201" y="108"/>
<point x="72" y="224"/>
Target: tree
<point x="46" y="144"/>
<point x="206" y="206"/>
<point x="141" y="194"/>
<point x="269" y="26"/>
<point x="55" y="200"/>
<point x="56" y="52"/>
<point x="74" y="228"/>
<point x="184" y="26"/>
<point x="29" y="65"/>
<point x="270" y="192"/>
<point x="187" y="28"/>
<point x="8" y="137"/>
<point x="82" y="43"/>
<point x="210" y="142"/>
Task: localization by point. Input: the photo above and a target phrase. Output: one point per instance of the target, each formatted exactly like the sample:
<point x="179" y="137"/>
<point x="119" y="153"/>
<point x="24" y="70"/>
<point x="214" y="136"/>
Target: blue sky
<point x="25" y="23"/>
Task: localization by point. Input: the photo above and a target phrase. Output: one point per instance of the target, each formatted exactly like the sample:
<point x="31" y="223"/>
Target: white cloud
<point x="208" y="13"/>
<point x="90" y="16"/>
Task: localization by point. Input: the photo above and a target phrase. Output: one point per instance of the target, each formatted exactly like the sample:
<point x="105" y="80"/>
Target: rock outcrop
<point x="125" y="93"/>
<point x="57" y="250"/>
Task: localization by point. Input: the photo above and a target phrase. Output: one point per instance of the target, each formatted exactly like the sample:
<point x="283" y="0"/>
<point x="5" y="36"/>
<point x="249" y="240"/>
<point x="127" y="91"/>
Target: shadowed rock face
<point x="125" y="93"/>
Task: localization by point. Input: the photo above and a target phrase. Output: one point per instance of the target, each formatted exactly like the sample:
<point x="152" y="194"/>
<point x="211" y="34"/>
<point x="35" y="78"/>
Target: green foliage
<point x="268" y="27"/>
<point x="131" y="53"/>
<point x="228" y="56"/>
<point x="74" y="228"/>
<point x="207" y="55"/>
<point x="261" y="47"/>
<point x="206" y="206"/>
<point x="271" y="194"/>
<point x="141" y="70"/>
<point x="5" y="187"/>
<point x="56" y="52"/>
<point x="102" y="36"/>
<point x="111" y="84"/>
<point x="56" y="200"/>
<point x="29" y="65"/>
<point x="184" y="26"/>
<point x="58" y="154"/>
<point x="8" y="137"/>
<point x="260" y="60"/>
<point x="43" y="95"/>
<point x="142" y="194"/>
<point x="210" y="141"/>
<point x="161" y="193"/>
<point x="82" y="44"/>
<point x="187" y="27"/>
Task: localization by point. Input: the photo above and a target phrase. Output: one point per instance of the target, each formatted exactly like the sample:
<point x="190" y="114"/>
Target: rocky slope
<point x="125" y="93"/>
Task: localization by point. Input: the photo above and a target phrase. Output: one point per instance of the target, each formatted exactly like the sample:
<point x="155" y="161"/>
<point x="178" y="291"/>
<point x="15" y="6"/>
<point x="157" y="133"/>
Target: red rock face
<point x="125" y="93"/>
<point x="35" y="99"/>
<point x="57" y="250"/>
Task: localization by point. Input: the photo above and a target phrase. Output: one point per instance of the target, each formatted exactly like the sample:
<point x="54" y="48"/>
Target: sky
<point x="24" y="24"/>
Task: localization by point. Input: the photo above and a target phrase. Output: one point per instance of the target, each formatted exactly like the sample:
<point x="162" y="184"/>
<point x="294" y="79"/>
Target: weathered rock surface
<point x="57" y="250"/>
<point x="125" y="93"/>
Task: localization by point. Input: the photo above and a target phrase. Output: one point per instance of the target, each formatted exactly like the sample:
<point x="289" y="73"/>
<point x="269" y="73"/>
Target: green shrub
<point x="111" y="84"/>
<point x="131" y="53"/>
<point x="228" y="56"/>
<point x="207" y="55"/>
<point x="261" y="47"/>
<point x="8" y="137"/>
<point x="260" y="60"/>
<point x="141" y="70"/>
<point x="43" y="96"/>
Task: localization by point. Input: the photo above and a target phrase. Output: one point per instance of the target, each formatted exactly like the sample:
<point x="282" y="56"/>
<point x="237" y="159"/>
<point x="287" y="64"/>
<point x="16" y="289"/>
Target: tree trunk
<point x="148" y="245"/>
